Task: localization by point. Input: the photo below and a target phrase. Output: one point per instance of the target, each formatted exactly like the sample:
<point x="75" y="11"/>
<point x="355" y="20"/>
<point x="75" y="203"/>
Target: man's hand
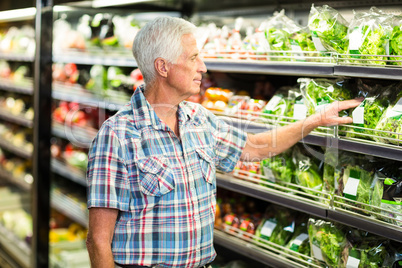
<point x="329" y="116"/>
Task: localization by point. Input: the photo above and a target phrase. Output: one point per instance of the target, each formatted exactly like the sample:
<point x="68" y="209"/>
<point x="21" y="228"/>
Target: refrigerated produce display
<point x="332" y="200"/>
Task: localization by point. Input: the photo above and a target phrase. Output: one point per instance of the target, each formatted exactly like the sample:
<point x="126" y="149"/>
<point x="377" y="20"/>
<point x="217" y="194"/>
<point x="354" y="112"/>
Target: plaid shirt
<point x="164" y="187"/>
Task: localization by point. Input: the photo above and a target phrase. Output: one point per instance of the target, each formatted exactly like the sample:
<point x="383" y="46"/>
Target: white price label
<point x="268" y="228"/>
<point x="351" y="187"/>
<point x="352" y="262"/>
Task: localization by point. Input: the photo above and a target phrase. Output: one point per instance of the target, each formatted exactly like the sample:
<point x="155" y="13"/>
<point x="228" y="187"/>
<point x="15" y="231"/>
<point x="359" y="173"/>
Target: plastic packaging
<point x="328" y="29"/>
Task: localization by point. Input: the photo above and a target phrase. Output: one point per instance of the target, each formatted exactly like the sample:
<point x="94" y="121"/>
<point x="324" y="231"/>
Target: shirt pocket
<point x="207" y="164"/>
<point x="155" y="176"/>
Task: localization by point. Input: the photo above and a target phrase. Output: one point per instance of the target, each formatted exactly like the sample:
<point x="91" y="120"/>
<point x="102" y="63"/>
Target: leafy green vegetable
<point x="328" y="239"/>
<point x="321" y="91"/>
<point x="328" y="28"/>
<point x="353" y="175"/>
<point x="281" y="167"/>
<point x="391" y="122"/>
<point x="369" y="34"/>
<point x="276" y="227"/>
<point x="307" y="172"/>
<point x="396" y="44"/>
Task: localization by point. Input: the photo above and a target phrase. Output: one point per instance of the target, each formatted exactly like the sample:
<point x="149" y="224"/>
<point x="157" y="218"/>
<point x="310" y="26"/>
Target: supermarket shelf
<point x="366" y="223"/>
<point x="25" y="87"/>
<point x="271" y="195"/>
<point x="339" y="214"/>
<point x="270" y="67"/>
<point x="20" y="183"/>
<point x="78" y="94"/>
<point x="121" y="59"/>
<point x="71" y="173"/>
<point x="69" y="207"/>
<point x="369" y="72"/>
<point x="16" y="57"/>
<point x="18" y="250"/>
<point x="79" y="136"/>
<point x="252" y="251"/>
<point x="18" y="119"/>
<point x="387" y="151"/>
<point x="22" y="152"/>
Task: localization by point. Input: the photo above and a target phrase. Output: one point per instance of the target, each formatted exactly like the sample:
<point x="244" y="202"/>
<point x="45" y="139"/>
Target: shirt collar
<point x="144" y="114"/>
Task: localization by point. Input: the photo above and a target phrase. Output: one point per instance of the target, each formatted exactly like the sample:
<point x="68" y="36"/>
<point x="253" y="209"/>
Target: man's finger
<point x="343" y="105"/>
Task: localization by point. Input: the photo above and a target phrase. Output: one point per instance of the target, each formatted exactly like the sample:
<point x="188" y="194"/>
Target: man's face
<point x="186" y="74"/>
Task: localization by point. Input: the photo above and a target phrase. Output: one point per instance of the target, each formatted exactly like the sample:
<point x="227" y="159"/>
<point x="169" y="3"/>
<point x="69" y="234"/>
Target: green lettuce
<point x="328" y="28"/>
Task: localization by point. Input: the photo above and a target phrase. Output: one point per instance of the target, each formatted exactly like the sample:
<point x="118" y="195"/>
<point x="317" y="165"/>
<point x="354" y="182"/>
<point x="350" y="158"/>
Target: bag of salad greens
<point x="277" y="106"/>
<point x="390" y="124"/>
<point x="395" y="43"/>
<point x="279" y="169"/>
<point x="369" y="34"/>
<point x="327" y="240"/>
<point x="387" y="198"/>
<point x="368" y="113"/>
<point x="308" y="173"/>
<point x="320" y="92"/>
<point x="364" y="250"/>
<point x="277" y="226"/>
<point x="355" y="184"/>
<point x="328" y="29"/>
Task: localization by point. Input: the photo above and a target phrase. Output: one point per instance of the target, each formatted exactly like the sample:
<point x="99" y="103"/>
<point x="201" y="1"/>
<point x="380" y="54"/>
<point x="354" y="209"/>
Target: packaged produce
<point x="327" y="240"/>
<point x="369" y="34"/>
<point x="364" y="250"/>
<point x="390" y="124"/>
<point x="328" y="29"/>
<point x="369" y="112"/>
<point x="307" y="171"/>
<point x="255" y="43"/>
<point x="356" y="182"/>
<point x="299" y="242"/>
<point x="395" y="43"/>
<point x="284" y="34"/>
<point x="279" y="169"/>
<point x="277" y="106"/>
<point x="320" y="92"/>
<point x="394" y="258"/>
<point x="277" y="226"/>
<point x="387" y="198"/>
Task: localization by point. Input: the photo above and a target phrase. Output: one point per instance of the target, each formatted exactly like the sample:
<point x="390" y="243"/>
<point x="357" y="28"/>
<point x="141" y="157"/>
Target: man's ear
<point x="161" y="66"/>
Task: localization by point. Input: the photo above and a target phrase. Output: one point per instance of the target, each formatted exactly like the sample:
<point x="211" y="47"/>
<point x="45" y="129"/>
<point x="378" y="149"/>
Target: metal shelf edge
<point x="14" y="149"/>
<point x="257" y="191"/>
<point x="63" y="170"/>
<point x="270" y="68"/>
<point x="9" y="245"/>
<point x="360" y="222"/>
<point x="368" y="72"/>
<point x="18" y="119"/>
<point x="249" y="250"/>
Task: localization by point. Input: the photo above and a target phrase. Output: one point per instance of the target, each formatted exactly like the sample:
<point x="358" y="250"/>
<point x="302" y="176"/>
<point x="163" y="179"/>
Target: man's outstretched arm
<point x="273" y="142"/>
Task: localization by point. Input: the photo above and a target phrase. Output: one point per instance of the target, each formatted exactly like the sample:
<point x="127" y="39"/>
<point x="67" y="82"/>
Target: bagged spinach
<point x="327" y="240"/>
<point x="328" y="29"/>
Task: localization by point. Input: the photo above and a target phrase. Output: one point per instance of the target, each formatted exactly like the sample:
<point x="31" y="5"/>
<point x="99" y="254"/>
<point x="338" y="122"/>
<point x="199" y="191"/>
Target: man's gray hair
<point x="160" y="37"/>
